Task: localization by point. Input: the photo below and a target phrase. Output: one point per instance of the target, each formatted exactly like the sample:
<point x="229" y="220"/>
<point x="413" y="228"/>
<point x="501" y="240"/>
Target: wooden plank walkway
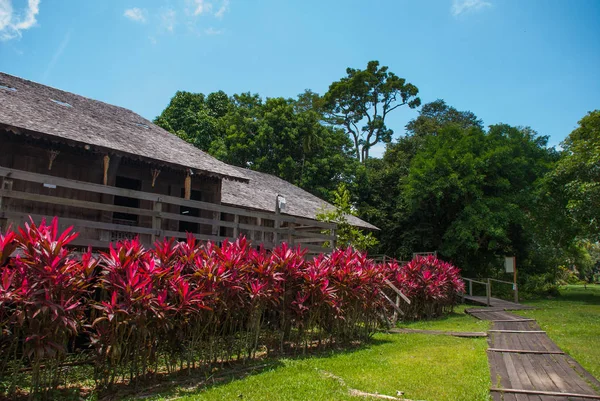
<point x="526" y="365"/>
<point x="495" y="302"/>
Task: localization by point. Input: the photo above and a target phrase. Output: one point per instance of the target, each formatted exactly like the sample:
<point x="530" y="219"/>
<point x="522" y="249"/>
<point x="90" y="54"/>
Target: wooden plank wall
<point x="72" y="189"/>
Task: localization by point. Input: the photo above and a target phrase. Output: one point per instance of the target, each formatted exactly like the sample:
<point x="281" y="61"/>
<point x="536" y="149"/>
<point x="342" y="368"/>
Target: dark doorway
<point x="126" y="218"/>
<point x="186" y="226"/>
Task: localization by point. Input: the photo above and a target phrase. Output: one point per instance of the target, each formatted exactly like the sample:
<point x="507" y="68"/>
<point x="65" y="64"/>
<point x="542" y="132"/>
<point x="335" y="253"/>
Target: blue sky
<point x="534" y="63"/>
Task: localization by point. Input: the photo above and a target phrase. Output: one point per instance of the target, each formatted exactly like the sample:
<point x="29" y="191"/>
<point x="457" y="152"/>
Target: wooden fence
<point x="268" y="229"/>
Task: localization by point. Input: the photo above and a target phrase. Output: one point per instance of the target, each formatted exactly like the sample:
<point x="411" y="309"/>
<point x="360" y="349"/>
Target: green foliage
<point x="579" y="172"/>
<point x="283" y="137"/>
<point x="347" y="235"/>
<point x="472" y="195"/>
<point x="361" y="101"/>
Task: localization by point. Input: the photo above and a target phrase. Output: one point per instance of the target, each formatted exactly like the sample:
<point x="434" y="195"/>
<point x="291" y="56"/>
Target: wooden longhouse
<point x="112" y="174"/>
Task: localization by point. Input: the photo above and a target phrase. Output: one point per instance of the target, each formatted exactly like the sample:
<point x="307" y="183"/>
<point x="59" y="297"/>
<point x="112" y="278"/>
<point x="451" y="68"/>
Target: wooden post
<point x="277" y="236"/>
<point x="187" y="187"/>
<point x="290" y="238"/>
<point x="156" y="220"/>
<point x="259" y="236"/>
<point x="515" y="280"/>
<point x="106" y="163"/>
<point x="489" y="291"/>
<point x="470" y="288"/>
<point x="333" y="239"/>
<point x="236" y="228"/>
<point x="3" y="222"/>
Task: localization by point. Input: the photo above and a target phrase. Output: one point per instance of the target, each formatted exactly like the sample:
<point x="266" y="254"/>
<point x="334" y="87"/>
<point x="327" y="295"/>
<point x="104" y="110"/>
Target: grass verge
<point x="424" y="367"/>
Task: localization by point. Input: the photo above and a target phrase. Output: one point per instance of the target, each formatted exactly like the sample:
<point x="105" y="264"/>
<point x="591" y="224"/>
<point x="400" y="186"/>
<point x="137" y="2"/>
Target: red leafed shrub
<point x="431" y="284"/>
<point x="187" y="303"/>
<point x="44" y="292"/>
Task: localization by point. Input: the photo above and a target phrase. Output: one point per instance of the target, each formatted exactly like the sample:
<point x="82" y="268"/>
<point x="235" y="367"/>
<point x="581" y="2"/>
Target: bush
<point x="188" y="304"/>
<point x="432" y="286"/>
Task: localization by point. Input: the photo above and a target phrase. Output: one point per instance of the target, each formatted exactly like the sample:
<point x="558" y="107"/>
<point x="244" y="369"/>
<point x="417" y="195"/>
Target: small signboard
<point x="509" y="264"/>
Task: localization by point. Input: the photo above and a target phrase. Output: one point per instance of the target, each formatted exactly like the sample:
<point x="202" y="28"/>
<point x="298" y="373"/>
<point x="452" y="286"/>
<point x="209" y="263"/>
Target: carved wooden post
<point x="187" y="187"/>
<point x="106" y="161"/>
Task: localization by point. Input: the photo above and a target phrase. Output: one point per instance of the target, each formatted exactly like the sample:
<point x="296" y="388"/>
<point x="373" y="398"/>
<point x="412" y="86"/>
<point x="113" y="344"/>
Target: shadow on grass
<point x="189" y="381"/>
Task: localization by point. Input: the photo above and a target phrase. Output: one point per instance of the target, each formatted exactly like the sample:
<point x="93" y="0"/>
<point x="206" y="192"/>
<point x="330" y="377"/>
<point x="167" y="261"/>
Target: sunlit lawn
<point x="572" y="320"/>
<point x="424" y="367"/>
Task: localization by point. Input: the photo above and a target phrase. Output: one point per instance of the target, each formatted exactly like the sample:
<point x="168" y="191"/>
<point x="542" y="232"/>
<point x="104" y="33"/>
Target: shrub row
<point x="188" y="304"/>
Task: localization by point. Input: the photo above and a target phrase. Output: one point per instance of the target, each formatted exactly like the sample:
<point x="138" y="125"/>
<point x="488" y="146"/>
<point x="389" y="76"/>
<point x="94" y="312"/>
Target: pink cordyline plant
<point x="191" y="303"/>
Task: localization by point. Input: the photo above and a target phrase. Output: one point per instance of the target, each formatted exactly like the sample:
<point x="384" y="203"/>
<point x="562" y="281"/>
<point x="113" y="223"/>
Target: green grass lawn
<point x="572" y="320"/>
<point x="456" y="321"/>
<point x="424" y="367"/>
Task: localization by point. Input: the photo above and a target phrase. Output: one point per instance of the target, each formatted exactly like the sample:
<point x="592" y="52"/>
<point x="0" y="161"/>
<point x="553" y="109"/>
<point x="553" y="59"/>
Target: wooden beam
<point x="98" y="188"/>
<point x="396" y="307"/>
<point x="513" y="320"/>
<point x="523" y="351"/>
<point x="55" y="200"/>
<point x="518" y="331"/>
<point x="393" y="287"/>
<point x="548" y="393"/>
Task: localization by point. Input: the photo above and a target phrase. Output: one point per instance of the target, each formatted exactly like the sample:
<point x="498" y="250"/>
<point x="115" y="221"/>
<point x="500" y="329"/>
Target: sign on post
<point x="509" y="264"/>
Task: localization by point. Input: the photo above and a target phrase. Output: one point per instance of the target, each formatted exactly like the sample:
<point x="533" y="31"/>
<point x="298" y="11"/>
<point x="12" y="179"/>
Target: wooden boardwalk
<point x="495" y="302"/>
<point x="526" y="365"/>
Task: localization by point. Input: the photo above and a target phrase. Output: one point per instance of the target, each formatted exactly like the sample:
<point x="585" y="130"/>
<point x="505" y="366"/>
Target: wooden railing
<point x="285" y="228"/>
<point x="488" y="287"/>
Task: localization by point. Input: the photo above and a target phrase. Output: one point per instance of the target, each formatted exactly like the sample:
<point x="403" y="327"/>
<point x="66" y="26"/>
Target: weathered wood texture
<point x="495" y="302"/>
<point x="526" y="365"/>
<point x="73" y="190"/>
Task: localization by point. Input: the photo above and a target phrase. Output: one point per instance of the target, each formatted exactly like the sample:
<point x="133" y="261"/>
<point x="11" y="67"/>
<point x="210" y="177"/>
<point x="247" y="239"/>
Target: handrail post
<point x="489" y="291"/>
<point x="470" y="288"/>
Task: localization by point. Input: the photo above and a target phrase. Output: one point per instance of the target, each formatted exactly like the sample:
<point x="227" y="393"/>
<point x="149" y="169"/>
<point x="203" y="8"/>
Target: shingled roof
<point x="49" y="111"/>
<point x="262" y="189"/>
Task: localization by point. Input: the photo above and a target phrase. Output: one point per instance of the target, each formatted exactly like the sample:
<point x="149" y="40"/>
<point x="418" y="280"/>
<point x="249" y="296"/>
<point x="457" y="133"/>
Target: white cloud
<point x="11" y="24"/>
<point x="223" y="9"/>
<point x="168" y="19"/>
<point x="465" y="6"/>
<point x="202" y="7"/>
<point x="212" y="31"/>
<point x="135" y="14"/>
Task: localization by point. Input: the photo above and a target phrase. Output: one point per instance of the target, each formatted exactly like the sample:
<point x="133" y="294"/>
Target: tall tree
<point x="361" y="102"/>
<point x="380" y="187"/>
<point x="579" y="172"/>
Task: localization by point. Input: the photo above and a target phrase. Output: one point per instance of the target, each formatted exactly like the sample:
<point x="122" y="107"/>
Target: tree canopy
<point x="579" y="173"/>
<point x="449" y="184"/>
<point x="361" y="101"/>
<point x="283" y="137"/>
